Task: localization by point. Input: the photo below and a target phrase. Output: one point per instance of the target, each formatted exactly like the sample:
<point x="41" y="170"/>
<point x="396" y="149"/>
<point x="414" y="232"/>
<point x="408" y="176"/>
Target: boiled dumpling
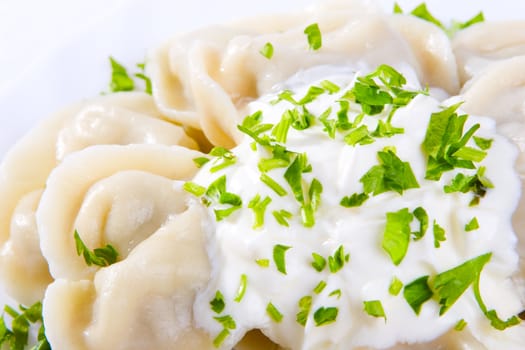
<point x="110" y="194"/>
<point x="142" y="302"/>
<point x="124" y="118"/>
<point x="483" y="43"/>
<point x="205" y="79"/>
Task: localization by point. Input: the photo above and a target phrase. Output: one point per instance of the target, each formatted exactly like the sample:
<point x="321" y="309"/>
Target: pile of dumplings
<point x="113" y="167"/>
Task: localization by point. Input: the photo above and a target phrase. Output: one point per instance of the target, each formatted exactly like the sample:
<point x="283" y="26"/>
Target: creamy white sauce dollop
<point x="234" y="245"/>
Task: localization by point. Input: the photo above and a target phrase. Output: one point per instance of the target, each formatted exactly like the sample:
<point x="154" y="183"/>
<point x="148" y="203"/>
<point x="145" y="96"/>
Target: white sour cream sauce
<point x="234" y="246"/>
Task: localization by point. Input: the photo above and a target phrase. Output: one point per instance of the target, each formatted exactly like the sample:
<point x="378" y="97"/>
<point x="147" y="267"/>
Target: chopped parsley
<point x="325" y="315"/>
<point x="472" y="225"/>
<point x="460" y="325"/>
<point x="396" y="236"/>
<point x="17" y="336"/>
<point x="200" y="161"/>
<point x="338" y="259"/>
<point x="217" y="304"/>
<point x="305" y="305"/>
<point x="417" y="292"/>
<point x="148" y="87"/>
<point x="392" y="174"/>
<point x="319" y="262"/>
<point x="274" y="313"/>
<point x="227" y="323"/>
<point x="282" y="216"/>
<point x="120" y="79"/>
<point x="263" y="262"/>
<point x="320" y="287"/>
<point x="267" y="50"/>
<point x="478" y="184"/>
<point x="279" y="257"/>
<point x="242" y="288"/>
<point x="223" y="158"/>
<point x="439" y="234"/>
<point x="313" y="34"/>
<point x="355" y="200"/>
<point x="258" y="206"/>
<point x="421" y="215"/>
<point x="99" y="256"/>
<point x="395" y="286"/>
<point x="274" y="185"/>
<point x="374" y="308"/>
<point x="335" y="293"/>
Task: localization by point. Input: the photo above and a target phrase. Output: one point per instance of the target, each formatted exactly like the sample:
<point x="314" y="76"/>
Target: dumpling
<point x="124" y="118"/>
<point x="110" y="194"/>
<point x="142" y="302"/>
<point x="205" y="79"/>
<point x="499" y="92"/>
<point x="483" y="43"/>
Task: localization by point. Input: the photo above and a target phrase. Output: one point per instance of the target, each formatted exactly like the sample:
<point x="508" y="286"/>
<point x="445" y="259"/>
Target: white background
<point x="54" y="52"/>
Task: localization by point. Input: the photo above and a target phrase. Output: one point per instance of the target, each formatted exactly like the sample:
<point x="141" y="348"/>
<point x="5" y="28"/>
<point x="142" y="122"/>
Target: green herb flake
<point x="305" y="305"/>
<point x="263" y="262"/>
<point x="267" y="50"/>
<point x="193" y="188"/>
<point x="338" y="259"/>
<point x="314" y="37"/>
<point x="312" y="94"/>
<point x="18" y="334"/>
<point x="329" y="86"/>
<point x="397" y="8"/>
<point x="417" y="292"/>
<point x="374" y="308"/>
<point x="439" y="234"/>
<point x="472" y="225"/>
<point x="325" y="315"/>
<point x="282" y="216"/>
<point x="422" y="12"/>
<point x="242" y="288"/>
<point x="226" y="321"/>
<point x="217" y="304"/>
<point x="320" y="287"/>
<point x="274" y="313"/>
<point x="279" y="257"/>
<point x="482" y="143"/>
<point x="200" y="161"/>
<point x="355" y="200"/>
<point x="395" y="286"/>
<point x="460" y="325"/>
<point x="451" y="284"/>
<point x="392" y="174"/>
<point x="421" y="215"/>
<point x="280" y="130"/>
<point x="319" y="262"/>
<point x="99" y="256"/>
<point x="274" y="185"/>
<point x="310" y="206"/>
<point x="359" y="136"/>
<point x="335" y="293"/>
<point x="120" y="80"/>
<point x="259" y="209"/>
<point x="396" y="236"/>
<point x="221" y="337"/>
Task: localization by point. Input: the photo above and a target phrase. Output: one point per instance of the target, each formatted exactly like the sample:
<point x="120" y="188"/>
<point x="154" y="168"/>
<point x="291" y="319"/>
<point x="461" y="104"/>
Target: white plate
<point x="55" y="52"/>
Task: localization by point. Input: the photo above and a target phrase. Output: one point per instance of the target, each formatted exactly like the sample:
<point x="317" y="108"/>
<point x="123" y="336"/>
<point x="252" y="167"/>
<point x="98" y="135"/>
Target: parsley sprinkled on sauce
<point x="439" y="234"/>
<point x="217" y="304"/>
<point x="148" y="87"/>
<point x="472" y="225"/>
<point x="460" y="325"/>
<point x="99" y="256"/>
<point x="200" y="161"/>
<point x="355" y="200"/>
<point x="17" y="336"/>
<point x="263" y="262"/>
<point x="320" y="287"/>
<point x="274" y="313"/>
<point x="223" y="158"/>
<point x="395" y="286"/>
<point x="392" y="174"/>
<point x="258" y="206"/>
<point x="242" y="288"/>
<point x="421" y="215"/>
<point x="338" y="259"/>
<point x="374" y="308"/>
<point x="279" y="257"/>
<point x="396" y="236"/>
<point x="228" y="324"/>
<point x="319" y="262"/>
<point x="313" y="34"/>
<point x="417" y="292"/>
<point x="267" y="50"/>
<point x="336" y="293"/>
<point x="282" y="216"/>
<point x="325" y="315"/>
<point x="305" y="305"/>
